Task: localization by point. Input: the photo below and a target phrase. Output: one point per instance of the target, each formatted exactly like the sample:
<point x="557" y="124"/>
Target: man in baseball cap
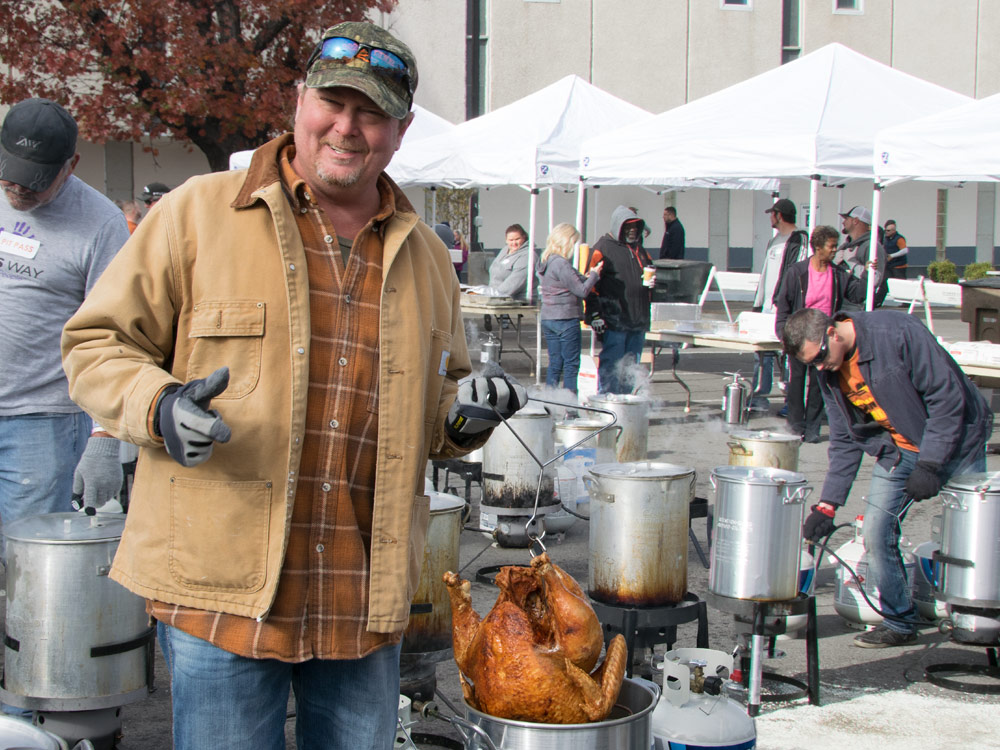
<point x="278" y="305"/>
<point x="152" y="192"/>
<point x="57" y="234"/>
<point x="852" y="255"/>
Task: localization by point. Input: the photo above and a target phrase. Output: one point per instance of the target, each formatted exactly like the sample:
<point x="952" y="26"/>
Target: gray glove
<point x="188" y="427"/>
<point x="98" y="475"/>
<point x="472" y="414"/>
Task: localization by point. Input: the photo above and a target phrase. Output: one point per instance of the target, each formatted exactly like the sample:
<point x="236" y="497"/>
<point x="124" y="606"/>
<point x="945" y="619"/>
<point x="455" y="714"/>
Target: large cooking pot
<point x="511" y="476"/>
<point x="776" y="450"/>
<point x="627" y="728"/>
<point x="75" y="640"/>
<point x="632" y="413"/>
<point x="970" y="541"/>
<point x="19" y="734"/>
<point x="757" y="534"/>
<point x="597" y="449"/>
<point x="639" y="514"/>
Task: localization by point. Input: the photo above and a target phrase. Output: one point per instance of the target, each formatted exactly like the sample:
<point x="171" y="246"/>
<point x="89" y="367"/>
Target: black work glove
<point x="923" y="481"/>
<point x="597" y="323"/>
<point x="819" y="524"/>
<point x="472" y="414"/>
<point x="188" y="427"/>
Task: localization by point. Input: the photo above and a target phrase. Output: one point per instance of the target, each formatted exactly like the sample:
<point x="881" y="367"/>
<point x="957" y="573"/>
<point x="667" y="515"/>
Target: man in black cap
<point x="290" y="364"/>
<point x="57" y="234"/>
<point x="152" y="192"/>
<point x="788" y="245"/>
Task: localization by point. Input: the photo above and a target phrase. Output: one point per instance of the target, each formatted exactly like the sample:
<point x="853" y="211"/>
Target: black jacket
<point x="619" y="297"/>
<point x="672" y="246"/>
<point x="791" y="294"/>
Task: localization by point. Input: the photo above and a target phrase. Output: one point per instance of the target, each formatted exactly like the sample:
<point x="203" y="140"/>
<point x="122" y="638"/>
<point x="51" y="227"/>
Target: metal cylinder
<point x="76" y="640"/>
<point x="632" y="413"/>
<point x="600" y="449"/>
<point x="757" y="533"/>
<point x="639" y="515"/>
<point x="970" y="553"/>
<point x="775" y="450"/>
<point x="736" y="401"/>
<point x="511" y="476"/>
<point x="489" y="350"/>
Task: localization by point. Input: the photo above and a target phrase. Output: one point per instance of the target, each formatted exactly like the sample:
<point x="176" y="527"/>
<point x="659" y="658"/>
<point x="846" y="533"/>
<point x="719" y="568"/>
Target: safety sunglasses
<point x="344" y="49"/>
<point x="822" y="354"/>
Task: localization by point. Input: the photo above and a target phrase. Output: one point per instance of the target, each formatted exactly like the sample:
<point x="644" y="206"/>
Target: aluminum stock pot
<point x="632" y="413"/>
<point x="970" y="541"/>
<point x="639" y="515"/>
<point x="776" y="450"/>
<point x="757" y="536"/>
<point x="75" y="639"/>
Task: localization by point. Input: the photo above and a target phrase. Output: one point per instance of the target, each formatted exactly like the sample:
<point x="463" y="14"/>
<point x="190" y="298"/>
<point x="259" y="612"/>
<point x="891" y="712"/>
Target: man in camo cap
<point x="291" y="364"/>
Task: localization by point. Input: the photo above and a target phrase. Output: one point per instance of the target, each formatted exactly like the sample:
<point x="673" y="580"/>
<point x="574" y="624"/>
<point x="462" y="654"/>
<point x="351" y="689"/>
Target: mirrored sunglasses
<point x="821" y="355"/>
<point x="344" y="49"/>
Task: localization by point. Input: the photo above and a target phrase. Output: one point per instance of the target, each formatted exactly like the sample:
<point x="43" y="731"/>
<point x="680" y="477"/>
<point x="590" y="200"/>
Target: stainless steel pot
<point x="627" y="728"/>
<point x="757" y="534"/>
<point x="633" y="418"/>
<point x="19" y="734"/>
<point x="577" y="462"/>
<point x="431" y="631"/>
<point x="75" y="640"/>
<point x="511" y="476"/>
<point x="970" y="541"/>
<point x="639" y="514"/>
<point x="776" y="450"/>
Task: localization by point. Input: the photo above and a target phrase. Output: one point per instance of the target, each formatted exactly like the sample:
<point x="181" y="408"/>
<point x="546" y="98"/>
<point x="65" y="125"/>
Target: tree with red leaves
<point x="219" y="74"/>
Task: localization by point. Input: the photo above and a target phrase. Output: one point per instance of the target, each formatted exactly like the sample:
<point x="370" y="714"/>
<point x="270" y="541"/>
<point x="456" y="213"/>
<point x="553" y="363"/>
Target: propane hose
<point x="861" y="587"/>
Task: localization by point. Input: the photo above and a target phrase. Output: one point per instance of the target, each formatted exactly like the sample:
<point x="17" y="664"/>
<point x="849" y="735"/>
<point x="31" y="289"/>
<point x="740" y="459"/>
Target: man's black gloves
<point x="819" y="523"/>
<point x="471" y="413"/>
<point x="923" y="481"/>
<point x="597" y="323"/>
<point x="188" y="427"/>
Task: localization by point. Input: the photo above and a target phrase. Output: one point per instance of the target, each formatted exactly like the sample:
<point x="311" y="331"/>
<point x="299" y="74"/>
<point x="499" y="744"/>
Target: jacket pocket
<point x="227" y="333"/>
<point x="437" y="364"/>
<point x="219" y="534"/>
<point x="420" y="516"/>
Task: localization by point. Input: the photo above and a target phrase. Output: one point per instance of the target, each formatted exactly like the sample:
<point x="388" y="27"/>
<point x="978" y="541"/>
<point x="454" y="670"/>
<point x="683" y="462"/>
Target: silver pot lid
<point x="442" y="502"/>
<point x="617" y="398"/>
<point x="763" y="436"/>
<point x="582" y="423"/>
<point x="757" y="475"/>
<point x="66" y="528"/>
<point x="988" y="481"/>
<point x="18" y="733"/>
<point x="641" y="470"/>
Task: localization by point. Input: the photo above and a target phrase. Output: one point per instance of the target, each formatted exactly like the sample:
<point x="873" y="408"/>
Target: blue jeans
<point x="38" y="454"/>
<point x="619" y="349"/>
<point x="763" y="373"/>
<point x="883" y="523"/>
<point x="224" y="701"/>
<point x="562" y="337"/>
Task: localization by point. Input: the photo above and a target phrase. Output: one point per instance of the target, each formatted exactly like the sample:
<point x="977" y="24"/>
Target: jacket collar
<point x="861" y="343"/>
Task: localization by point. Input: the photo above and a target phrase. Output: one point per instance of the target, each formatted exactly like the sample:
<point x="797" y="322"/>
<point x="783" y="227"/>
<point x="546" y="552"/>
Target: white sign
<point x="15" y="244"/>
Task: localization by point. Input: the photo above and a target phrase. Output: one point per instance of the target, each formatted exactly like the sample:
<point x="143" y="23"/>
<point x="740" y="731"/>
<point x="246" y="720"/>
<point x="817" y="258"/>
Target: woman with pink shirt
<point x="812" y="283"/>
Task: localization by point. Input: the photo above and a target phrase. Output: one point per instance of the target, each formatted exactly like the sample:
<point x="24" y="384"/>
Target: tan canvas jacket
<point x="216" y="275"/>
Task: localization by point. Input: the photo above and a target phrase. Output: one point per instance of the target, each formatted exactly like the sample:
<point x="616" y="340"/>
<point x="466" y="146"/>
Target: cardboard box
<point x="756" y="326"/>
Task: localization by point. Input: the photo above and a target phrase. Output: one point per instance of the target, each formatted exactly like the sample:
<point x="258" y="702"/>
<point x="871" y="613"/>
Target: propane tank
<point x="847" y="598"/>
<point x="694" y="710"/>
<point x="923" y="580"/>
<point x="736" y="400"/>
<point x="807" y="585"/>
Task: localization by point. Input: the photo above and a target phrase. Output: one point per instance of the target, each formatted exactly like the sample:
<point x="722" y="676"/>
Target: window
<point x="849" y="6"/>
<point x="736" y="4"/>
<point x="791" y="48"/>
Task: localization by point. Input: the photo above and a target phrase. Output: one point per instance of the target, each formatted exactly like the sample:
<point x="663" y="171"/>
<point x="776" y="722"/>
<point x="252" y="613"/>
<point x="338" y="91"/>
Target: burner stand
<point x="943" y="675"/>
<point x="752" y="667"/>
<point x="647" y="626"/>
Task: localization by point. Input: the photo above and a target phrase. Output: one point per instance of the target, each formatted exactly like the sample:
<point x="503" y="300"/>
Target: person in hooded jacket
<point x="562" y="289"/>
<point x="618" y="310"/>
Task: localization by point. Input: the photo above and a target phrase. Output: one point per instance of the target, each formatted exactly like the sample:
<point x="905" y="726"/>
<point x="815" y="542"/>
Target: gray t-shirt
<point x="50" y="259"/>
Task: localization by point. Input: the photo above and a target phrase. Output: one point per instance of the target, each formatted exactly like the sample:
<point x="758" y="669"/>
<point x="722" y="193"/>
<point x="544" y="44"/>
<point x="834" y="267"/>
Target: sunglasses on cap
<point x="344" y="49"/>
<point x="822" y="354"/>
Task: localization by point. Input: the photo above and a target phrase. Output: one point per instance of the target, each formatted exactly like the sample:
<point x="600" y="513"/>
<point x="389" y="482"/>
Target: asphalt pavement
<point x="868" y="698"/>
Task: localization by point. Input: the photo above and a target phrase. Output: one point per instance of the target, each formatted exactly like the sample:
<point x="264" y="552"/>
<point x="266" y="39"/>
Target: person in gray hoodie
<point x="509" y="270"/>
<point x="562" y="289"/>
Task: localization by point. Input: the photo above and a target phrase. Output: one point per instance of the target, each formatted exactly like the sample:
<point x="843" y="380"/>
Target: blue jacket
<point x="925" y="395"/>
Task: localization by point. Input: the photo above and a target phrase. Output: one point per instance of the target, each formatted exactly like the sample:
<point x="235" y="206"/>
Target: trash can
<point x="680" y="280"/>
<point x="981" y="308"/>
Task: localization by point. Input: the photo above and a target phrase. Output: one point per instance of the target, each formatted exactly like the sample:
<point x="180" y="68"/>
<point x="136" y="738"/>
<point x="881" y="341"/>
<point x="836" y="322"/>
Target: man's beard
<point x="339" y="180"/>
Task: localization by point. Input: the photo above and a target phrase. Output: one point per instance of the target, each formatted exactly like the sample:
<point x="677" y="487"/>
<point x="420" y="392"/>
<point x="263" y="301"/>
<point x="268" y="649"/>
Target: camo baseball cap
<point x="391" y="88"/>
<point x="38" y="137"/>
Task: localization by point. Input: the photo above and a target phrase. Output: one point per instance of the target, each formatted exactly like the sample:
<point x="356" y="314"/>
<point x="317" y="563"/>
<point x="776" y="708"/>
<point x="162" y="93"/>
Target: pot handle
<point x="739" y="449"/>
<point x="459" y="723"/>
<point x="950" y="500"/>
<point x="711" y="479"/>
<point x="594" y="490"/>
<point x="799" y="496"/>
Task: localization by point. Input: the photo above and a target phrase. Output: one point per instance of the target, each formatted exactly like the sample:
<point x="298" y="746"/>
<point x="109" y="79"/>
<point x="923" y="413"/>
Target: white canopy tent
<point x="957" y="145"/>
<point x="815" y="117"/>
